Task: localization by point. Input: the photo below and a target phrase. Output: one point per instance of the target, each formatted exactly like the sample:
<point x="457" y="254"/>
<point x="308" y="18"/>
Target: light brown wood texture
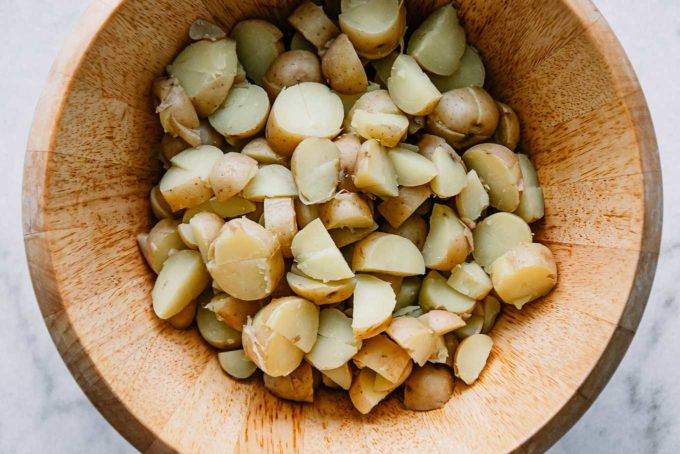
<point x="91" y="163"/>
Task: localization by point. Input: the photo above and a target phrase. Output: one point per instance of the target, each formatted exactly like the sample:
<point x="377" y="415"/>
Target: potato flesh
<point x="159" y="206"/>
<point x="470" y="279"/>
<point x="471" y="356"/>
<point x="363" y="394"/>
<point x="312" y="23"/>
<point x="374" y="27"/>
<point x="428" y="388"/>
<point x="298" y="386"/>
<point x="442" y="322"/>
<point x="374" y="172"/>
<point x="230" y="208"/>
<point x="304" y="214"/>
<point x="243" y="113"/>
<point x="279" y="218"/>
<point x="408" y="292"/>
<point x="473" y="325"/>
<point x="470" y="73"/>
<point x="161" y="240"/>
<point x="294" y="318"/>
<point x="321" y="292"/>
<point x="383" y="356"/>
<point x="184" y="318"/>
<point x="258" y="43"/>
<point x="374" y="302"/>
<point x="389" y="129"/>
<point x="413" y="229"/>
<point x="335" y="344"/>
<point x="272" y="353"/>
<point x="341" y="376"/>
<point x="383" y="68"/>
<point x="216" y="333"/>
<point x="181" y="280"/>
<point x="317" y="255"/>
<point x="230" y="174"/>
<point x="342" y="67"/>
<point x="412" y="168"/>
<point x="413" y="336"/>
<point x="388" y="254"/>
<point x="398" y="209"/>
<point x="410" y="88"/>
<point x="346" y="210"/>
<point x="187" y="183"/>
<point x="236" y="364"/>
<point x="497" y="234"/>
<point x="175" y="110"/>
<point x="435" y="293"/>
<point x="472" y="200"/>
<point x="346" y="236"/>
<point x="233" y="311"/>
<point x="448" y="242"/>
<point x="270" y="181"/>
<point x="531" y="204"/>
<point x="438" y="44"/>
<point x="451" y="178"/>
<point x="205" y="227"/>
<point x="316" y="165"/>
<point x="492" y="307"/>
<point x="498" y="168"/>
<point x="290" y="68"/>
<point x="259" y="150"/>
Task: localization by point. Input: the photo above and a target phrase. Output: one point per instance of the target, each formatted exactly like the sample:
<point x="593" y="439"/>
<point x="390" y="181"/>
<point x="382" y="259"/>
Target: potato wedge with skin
<point x="236" y="364"/>
<point x="507" y="131"/>
<point x="340" y="376"/>
<point x="349" y="146"/>
<point x="497" y="234"/>
<point x="413" y="229"/>
<point x="184" y="318"/>
<point x="389" y="254"/>
<point x="181" y="280"/>
<point x="428" y="143"/>
<point x="318" y="292"/>
<point x="312" y="23"/>
<point x="410" y="88"/>
<point x="244" y="112"/>
<point x="435" y="293"/>
<point x="258" y="43"/>
<point x="492" y="307"/>
<point x="346" y="209"/>
<point x="394" y="281"/>
<point x="442" y="322"/>
<point x="473" y="325"/>
<point x="215" y="332"/>
<point x="413" y="336"/>
<point x="317" y="255"/>
<point x="271" y="352"/>
<point x="376" y="102"/>
<point x="383" y="384"/>
<point x="374" y="27"/>
<point x="531" y="204"/>
<point x="408" y="292"/>
<point x="290" y="68"/>
<point x="374" y="302"/>
<point x="428" y="387"/>
<point x="233" y="311"/>
<point x="308" y="109"/>
<point x="157" y="244"/>
<point x="398" y="209"/>
<point x="259" y="150"/>
<point x="471" y="356"/>
<point x="298" y="386"/>
<point x="412" y="168"/>
<point x="230" y="208"/>
<point x="470" y="73"/>
<point x="470" y="279"/>
<point x="270" y="181"/>
<point x="451" y="178"/>
<point x="175" y="110"/>
<point x="498" y="168"/>
<point x="363" y="394"/>
<point x="438" y="44"/>
<point x="448" y="242"/>
<point x="205" y="227"/>
<point x="304" y="214"/>
<point x="279" y="218"/>
<point x="523" y="274"/>
<point x="335" y="344"/>
<point x="187" y="183"/>
<point x="342" y="67"/>
<point x="348" y="236"/>
<point x="383" y="356"/>
<point x="472" y="200"/>
<point x="159" y="206"/>
<point x="374" y="172"/>
<point x="230" y="174"/>
<point x="294" y="318"/>
<point x="316" y="167"/>
<point x="389" y="129"/>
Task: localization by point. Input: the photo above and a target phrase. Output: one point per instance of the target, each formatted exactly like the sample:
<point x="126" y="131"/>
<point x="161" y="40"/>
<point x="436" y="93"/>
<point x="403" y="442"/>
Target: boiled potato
<point x="298" y="386"/>
<point x="340" y="376"/>
<point x="383" y="356"/>
<point x="349" y="146"/>
<point x="236" y="364"/>
<point x="259" y="150"/>
<point x="348" y="102"/>
<point x="472" y="200"/>
<point x="383" y="384"/>
<point x="389" y="254"/>
<point x="408" y="292"/>
<point x="531" y="204"/>
<point x="187" y="183"/>
<point x="470" y="73"/>
<point x="451" y="178"/>
<point x="202" y="29"/>
<point x="317" y="255"/>
<point x="442" y="322"/>
<point x="335" y="344"/>
<point x="435" y="293"/>
<point x="347" y="209"/>
<point x="290" y="68"/>
<point x="231" y="173"/>
<point x="507" y="132"/>
<point x="410" y="88"/>
<point x="230" y="208"/>
<point x="342" y="67"/>
<point x="383" y="68"/>
<point x="299" y="42"/>
<point x="316" y="168"/>
<point x="232" y="311"/>
<point x="182" y="278"/>
<point x="258" y="43"/>
<point x="157" y="244"/>
<point x="428" y="387"/>
<point x="243" y="114"/>
<point x="448" y="242"/>
<point x="375" y="116"/>
<point x="497" y="234"/>
<point x="374" y="301"/>
<point x="398" y="209"/>
<point x="270" y="181"/>
<point x="186" y="233"/>
<point x="215" y="332"/>
<point x="438" y="44"/>
<point x="363" y="394"/>
<point x="305" y="214"/>
<point x="413" y="229"/>
<point x="492" y="307"/>
<point x="374" y="172"/>
<point x="394" y="281"/>
<point x="374" y="27"/>
<point x="498" y="168"/>
<point x="279" y="218"/>
<point x="205" y="227"/>
<point x="318" y="292"/>
<point x="412" y="168"/>
<point x="313" y="24"/>
<point x="471" y="356"/>
<point x="159" y="206"/>
<point x="471" y="280"/>
<point x="245" y="260"/>
<point x="464" y="117"/>
<point x="349" y="236"/>
<point x="308" y="109"/>
<point x="473" y="325"/>
<point x="524" y="273"/>
<point x="294" y="318"/>
<point x="184" y="318"/>
<point x="175" y="110"/>
<point x="413" y="336"/>
<point x="275" y="355"/>
<point x="206" y="70"/>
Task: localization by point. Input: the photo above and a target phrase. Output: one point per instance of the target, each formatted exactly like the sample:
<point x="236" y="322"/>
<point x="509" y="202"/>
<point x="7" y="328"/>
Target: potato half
<point x="412" y="168"/>
<point x="159" y="242"/>
<point x="451" y="178"/>
<point x="374" y="172"/>
<point x="428" y="388"/>
<point x="232" y="311"/>
<point x="398" y="209"/>
<point x="231" y="173"/>
<point x="215" y="332"/>
<point x="270" y="181"/>
<point x="187" y="182"/>
<point x="258" y="43"/>
<point x="175" y="111"/>
<point x="442" y="322"/>
<point x="410" y="88"/>
<point x="335" y="344"/>
<point x="236" y="364"/>
<point x="413" y="336"/>
<point x="319" y="292"/>
<point x="259" y="150"/>
<point x="290" y="68"/>
<point x="448" y="242"/>
<point x="316" y="168"/>
<point x="435" y="293"/>
<point x="349" y="146"/>
<point x="438" y="44"/>
<point x="470" y="279"/>
<point x="388" y="254"/>
<point x="471" y="356"/>
<point x="181" y="280"/>
<point x="363" y="394"/>
<point x="497" y="234"/>
<point x="413" y="229"/>
<point x="472" y="200"/>
<point x="294" y="318"/>
<point x="374" y="302"/>
<point x="205" y="227"/>
<point x="297" y="386"/>
<point x="470" y="73"/>
<point x="531" y="206"/>
<point x="383" y="356"/>
<point x="305" y="213"/>
<point x="159" y="206"/>
<point x="498" y="168"/>
<point x="342" y="67"/>
<point x="317" y="255"/>
<point x="388" y="125"/>
<point x="313" y="24"/>
<point x="340" y="376"/>
<point x="374" y="27"/>
<point x="273" y="353"/>
<point x="244" y="112"/>
<point x="347" y="209"/>
<point x="279" y="218"/>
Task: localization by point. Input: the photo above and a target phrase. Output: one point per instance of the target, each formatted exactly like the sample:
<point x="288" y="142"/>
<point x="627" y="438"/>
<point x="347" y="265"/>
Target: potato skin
<point x="428" y="387"/>
<point x="342" y="68"/>
<point x="291" y="68"/>
<point x="298" y="386"/>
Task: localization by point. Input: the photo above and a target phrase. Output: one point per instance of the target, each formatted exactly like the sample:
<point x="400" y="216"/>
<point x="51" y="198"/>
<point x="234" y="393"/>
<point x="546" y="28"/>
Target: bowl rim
<point x="42" y="137"/>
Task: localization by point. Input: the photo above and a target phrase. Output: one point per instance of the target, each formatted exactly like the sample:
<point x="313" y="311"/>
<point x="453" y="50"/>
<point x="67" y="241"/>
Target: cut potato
<point x="363" y="394"/>
<point x="529" y="175"/>
<point x="308" y="109"/>
<point x="215" y="332"/>
<point x="471" y="356"/>
<point x="442" y="322"/>
<point x="313" y="24"/>
<point x="376" y="27"/>
<point x="290" y="68"/>
<point x="451" y="178"/>
<point x="270" y="181"/>
<point x="413" y="229"/>
<point x="279" y="218"/>
<point x="383" y="68"/>
<point x="230" y="174"/>
<point x="230" y="208"/>
<point x="205" y="227"/>
<point x="472" y="200"/>
<point x="299" y="42"/>
<point x="335" y="344"/>
<point x="492" y="307"/>
<point x="507" y="132"/>
<point x="497" y="234"/>
<point x="186" y="183"/>
<point x="398" y="209"/>
<point x="346" y="209"/>
<point x="294" y="318"/>
<point x="236" y="364"/>
<point x="159" y="206"/>
<point x="438" y="44"/>
<point x="450" y="342"/>
<point x="184" y="318"/>
<point x="448" y="242"/>
<point x="298" y="386"/>
<point x="470" y="73"/>
<point x="388" y="128"/>
<point x="259" y="150"/>
<point x="412" y="168"/>
<point x="394" y="281"/>
<point x="413" y="336"/>
<point x="206" y="70"/>
<point x="340" y="376"/>
<point x="246" y="260"/>
<point x="176" y="113"/>
<point x="349" y="146"/>
<point x="374" y="302"/>
<point x="271" y="352"/>
<point x="383" y="356"/>
<point x="473" y="325"/>
<point x="464" y="117"/>
<point x="524" y="273"/>
<point x="498" y="168"/>
<point x="410" y="88"/>
<point x="232" y="311"/>
<point x="374" y="172"/>
<point x="342" y="67"/>
<point x="305" y="214"/>
<point x="319" y="292"/>
<point x="408" y="311"/>
<point x="471" y="280"/>
<point x="428" y="143"/>
<point x="202" y="29"/>
<point x="435" y="293"/>
<point x="258" y="43"/>
<point x="346" y="236"/>
<point x="388" y="254"/>
<point x="384" y="385"/>
<point x="157" y="244"/>
<point x="316" y="168"/>
<point x="317" y="255"/>
<point x="181" y="280"/>
<point x="531" y="204"/>
<point x="408" y="292"/>
<point x="243" y="114"/>
<point x="428" y="388"/>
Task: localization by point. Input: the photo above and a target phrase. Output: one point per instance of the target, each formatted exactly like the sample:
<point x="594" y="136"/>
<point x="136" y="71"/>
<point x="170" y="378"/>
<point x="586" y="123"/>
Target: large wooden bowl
<point x="91" y="163"/>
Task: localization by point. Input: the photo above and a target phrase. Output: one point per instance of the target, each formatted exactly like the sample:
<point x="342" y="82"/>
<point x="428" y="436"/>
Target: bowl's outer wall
<point x="91" y="163"/>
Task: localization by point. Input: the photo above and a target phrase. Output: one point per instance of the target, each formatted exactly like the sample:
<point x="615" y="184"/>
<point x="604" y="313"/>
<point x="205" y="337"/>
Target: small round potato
<point x="298" y="386"/>
<point x="497" y="234"/>
<point x="312" y="23"/>
<point x="231" y="174"/>
<point x="236" y="364"/>
<point x="410" y="88"/>
<point x="291" y="68"/>
<point x="413" y="229"/>
<point x="316" y="168"/>
<point x="342" y="67"/>
<point x="258" y="43"/>
<point x="376" y="27"/>
<point x="498" y="168"/>
<point x="449" y="240"/>
<point x="470" y="73"/>
<point x="428" y="387"/>
<point x="347" y="209"/>
<point x="244" y="112"/>
<point x="215" y="332"/>
<point x="439" y="42"/>
<point x="507" y="132"/>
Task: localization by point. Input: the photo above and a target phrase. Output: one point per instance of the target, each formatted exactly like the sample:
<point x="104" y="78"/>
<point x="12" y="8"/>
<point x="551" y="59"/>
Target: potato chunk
<point x="316" y="166"/>
<point x="473" y="325"/>
<point x="231" y="173"/>
<point x="157" y="244"/>
<point x="259" y="150"/>
<point x="374" y="27"/>
<point x="408" y="292"/>
<point x="348" y="236"/>
<point x="471" y="356"/>
<point x="159" y="206"/>
<point x="340" y="376"/>
<point x="204" y="228"/>
<point x="531" y="204"/>
<point x="382" y="384"/>
<point x="186" y="183"/>
<point x="304" y="214"/>
<point x="497" y="234"/>
<point x="335" y="344"/>
<point x="181" y="280"/>
<point x="270" y="181"/>
<point x="374" y="172"/>
<point x="413" y="229"/>
<point x="230" y="208"/>
<point x="299" y="42"/>
<point x="492" y="307"/>
<point x="383" y="356"/>
<point x="428" y="388"/>
<point x="318" y="292"/>
<point x="472" y="200"/>
<point x="449" y="241"/>
<point x="294" y="318"/>
<point x="435" y="293"/>
<point x="258" y="43"/>
<point x="413" y="336"/>
<point x="244" y="112"/>
<point x="317" y="256"/>
<point x="290" y="68"/>
<point x="438" y="44"/>
<point x="232" y="311"/>
<point x="313" y="24"/>
<point x="236" y="364"/>
<point x="298" y="386"/>
<point x="442" y="322"/>
<point x="498" y="168"/>
<point x="471" y="280"/>
<point x="346" y="209"/>
<point x="451" y="178"/>
<point x="184" y="318"/>
<point x="349" y="146"/>
<point x="175" y="111"/>
<point x="270" y="351"/>
<point x="412" y="168"/>
<point x="374" y="301"/>
<point x="342" y="67"/>
<point x="507" y="132"/>
<point x="215" y="332"/>
<point x="470" y="73"/>
<point x="410" y="88"/>
<point x="388" y="254"/>
<point x="398" y="209"/>
<point x="363" y="394"/>
<point x="375" y="116"/>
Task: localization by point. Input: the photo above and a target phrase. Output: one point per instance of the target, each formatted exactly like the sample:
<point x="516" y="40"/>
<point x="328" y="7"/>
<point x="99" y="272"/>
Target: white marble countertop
<point x="43" y="410"/>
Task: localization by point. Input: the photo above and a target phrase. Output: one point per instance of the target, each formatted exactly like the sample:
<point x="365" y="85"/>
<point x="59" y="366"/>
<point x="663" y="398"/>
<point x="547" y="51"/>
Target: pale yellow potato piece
<point x="383" y="68"/>
<point x="317" y="255"/>
<point x="215" y="332"/>
<point x="374" y="302"/>
<point x="413" y="229"/>
<point x="279" y="218"/>
<point x="290" y="68"/>
<point x="376" y="101"/>
<point x="529" y="175"/>
<point x="498" y="168"/>
<point x="347" y="209"/>
<point x="245" y="260"/>
<point x="438" y="44"/>
<point x="442" y="322"/>
<point x="408" y="292"/>
<point x="348" y="102"/>
<point x="318" y="292"/>
<point x="435" y="293"/>
<point x="429" y="143"/>
<point x="230" y="208"/>
<point x="470" y="279"/>
<point x="305" y="213"/>
<point x="531" y="206"/>
<point x="244" y="112"/>
<point x="349" y="146"/>
<point x="492" y="307"/>
<point x="271" y="352"/>
<point x="448" y="242"/>
<point x="206" y="70"/>
<point x="413" y="336"/>
<point x="312" y="23"/>
<point x="410" y="88"/>
<point x="157" y="244"/>
<point x="182" y="278"/>
<point x="299" y="42"/>
<point x="233" y="311"/>
<point x="259" y="150"/>
<point x="472" y="200"/>
<point x="236" y="364"/>
<point x="308" y="109"/>
<point x="340" y="376"/>
<point x="497" y="234"/>
<point x="388" y="128"/>
<point x="388" y="254"/>
<point x="384" y="385"/>
<point x="202" y="29"/>
<point x="412" y="168"/>
<point x="175" y="110"/>
<point x="335" y="344"/>
<point x="184" y="318"/>
<point x="363" y="394"/>
<point x="408" y="311"/>
<point x="428" y="388"/>
<point x="334" y="325"/>
<point x="374" y="172"/>
<point x="298" y="386"/>
<point x="258" y="43"/>
<point x="524" y="273"/>
<point x="507" y="132"/>
<point x="473" y="325"/>
<point x="294" y="318"/>
<point x="451" y="178"/>
<point x="342" y="67"/>
<point x="471" y="356"/>
<point x="186" y="183"/>
<point x="375" y="27"/>
<point x="316" y="167"/>
<point x="349" y="236"/>
<point x="205" y="227"/>
<point x="394" y="281"/>
<point x="383" y="356"/>
<point x="186" y="233"/>
<point x="270" y="181"/>
<point x="470" y="73"/>
<point x="159" y="206"/>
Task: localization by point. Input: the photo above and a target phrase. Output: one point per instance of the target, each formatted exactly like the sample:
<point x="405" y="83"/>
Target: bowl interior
<point x="92" y="161"/>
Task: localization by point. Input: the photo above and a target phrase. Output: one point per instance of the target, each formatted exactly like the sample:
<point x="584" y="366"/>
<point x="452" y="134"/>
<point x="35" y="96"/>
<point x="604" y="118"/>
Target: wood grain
<point x="91" y="163"/>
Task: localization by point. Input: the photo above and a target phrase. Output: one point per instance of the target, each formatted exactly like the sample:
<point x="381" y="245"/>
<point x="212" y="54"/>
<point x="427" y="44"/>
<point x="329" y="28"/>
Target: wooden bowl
<point x="91" y="162"/>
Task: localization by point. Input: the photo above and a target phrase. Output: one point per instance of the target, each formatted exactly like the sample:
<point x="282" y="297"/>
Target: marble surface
<point x="43" y="410"/>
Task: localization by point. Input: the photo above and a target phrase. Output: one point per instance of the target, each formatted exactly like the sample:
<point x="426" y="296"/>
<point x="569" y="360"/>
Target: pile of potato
<point x="316" y="219"/>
